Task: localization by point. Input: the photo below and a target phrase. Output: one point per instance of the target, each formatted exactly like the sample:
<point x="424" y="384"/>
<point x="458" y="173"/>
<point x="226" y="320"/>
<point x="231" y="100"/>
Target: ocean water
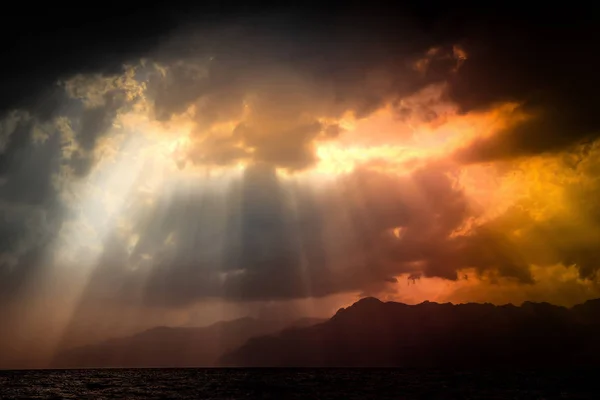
<point x="325" y="383"/>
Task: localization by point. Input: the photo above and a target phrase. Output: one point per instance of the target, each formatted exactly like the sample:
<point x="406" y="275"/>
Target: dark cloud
<point x="35" y="163"/>
<point x="52" y="44"/>
<point x="547" y="68"/>
<point x="429" y="209"/>
<point x="97" y="120"/>
<point x="296" y="61"/>
<point x="264" y="238"/>
<point x="279" y="77"/>
<point x="537" y="60"/>
<point x="284" y="77"/>
<point x="29" y="211"/>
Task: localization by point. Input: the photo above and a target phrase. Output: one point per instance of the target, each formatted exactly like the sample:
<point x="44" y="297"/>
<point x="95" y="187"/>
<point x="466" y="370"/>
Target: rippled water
<point x="296" y="384"/>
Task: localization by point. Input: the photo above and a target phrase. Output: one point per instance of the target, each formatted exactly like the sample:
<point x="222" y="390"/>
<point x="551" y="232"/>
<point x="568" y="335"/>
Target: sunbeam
<point x="274" y="166"/>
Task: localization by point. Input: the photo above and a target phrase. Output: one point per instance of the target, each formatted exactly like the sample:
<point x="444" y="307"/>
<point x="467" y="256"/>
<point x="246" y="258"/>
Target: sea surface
<point x="322" y="383"/>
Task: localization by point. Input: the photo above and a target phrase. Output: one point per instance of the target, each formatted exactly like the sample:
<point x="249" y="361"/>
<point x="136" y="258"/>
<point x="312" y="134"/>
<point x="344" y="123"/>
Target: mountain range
<point x="172" y="346"/>
<point x="377" y="334"/>
<point x="369" y="333"/>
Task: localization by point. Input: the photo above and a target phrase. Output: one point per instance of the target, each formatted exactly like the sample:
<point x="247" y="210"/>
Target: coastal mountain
<point x="368" y="333"/>
<point x="173" y="346"/>
<point x="374" y="333"/>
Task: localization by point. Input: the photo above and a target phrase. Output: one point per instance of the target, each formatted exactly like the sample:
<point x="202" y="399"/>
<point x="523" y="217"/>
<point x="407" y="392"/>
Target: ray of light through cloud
<point x="240" y="169"/>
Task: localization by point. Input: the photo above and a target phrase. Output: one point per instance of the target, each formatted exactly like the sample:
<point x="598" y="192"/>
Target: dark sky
<point x="544" y="54"/>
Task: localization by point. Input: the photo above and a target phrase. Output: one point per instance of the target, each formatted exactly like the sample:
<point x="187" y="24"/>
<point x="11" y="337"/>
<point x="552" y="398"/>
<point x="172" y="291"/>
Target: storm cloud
<point x="265" y="92"/>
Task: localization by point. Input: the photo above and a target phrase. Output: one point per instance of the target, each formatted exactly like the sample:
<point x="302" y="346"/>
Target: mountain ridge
<point x="375" y="333"/>
<point x="165" y="346"/>
<point x="369" y="332"/>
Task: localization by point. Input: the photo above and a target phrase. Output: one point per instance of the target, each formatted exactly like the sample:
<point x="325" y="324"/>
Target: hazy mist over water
<point x="309" y="383"/>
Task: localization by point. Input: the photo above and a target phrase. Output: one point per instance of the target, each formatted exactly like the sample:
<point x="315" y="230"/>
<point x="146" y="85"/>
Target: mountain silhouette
<point x="172" y="346"/>
<point x="374" y="333"/>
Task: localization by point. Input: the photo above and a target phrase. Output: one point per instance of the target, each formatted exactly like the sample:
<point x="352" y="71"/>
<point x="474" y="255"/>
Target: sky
<point x="181" y="165"/>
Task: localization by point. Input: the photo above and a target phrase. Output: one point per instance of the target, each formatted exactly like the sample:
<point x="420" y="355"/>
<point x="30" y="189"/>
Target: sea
<point x="307" y="383"/>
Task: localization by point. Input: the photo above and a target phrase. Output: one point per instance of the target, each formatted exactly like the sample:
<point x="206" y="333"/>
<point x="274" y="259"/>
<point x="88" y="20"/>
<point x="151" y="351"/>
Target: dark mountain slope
<point x="172" y="347"/>
<point x="373" y="333"/>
